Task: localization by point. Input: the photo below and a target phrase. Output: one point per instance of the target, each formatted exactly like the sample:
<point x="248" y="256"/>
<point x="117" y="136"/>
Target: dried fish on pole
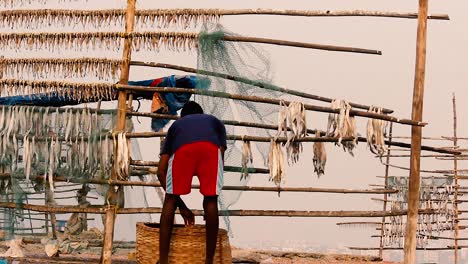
<point x="163" y="18"/>
<point x="148" y="41"/>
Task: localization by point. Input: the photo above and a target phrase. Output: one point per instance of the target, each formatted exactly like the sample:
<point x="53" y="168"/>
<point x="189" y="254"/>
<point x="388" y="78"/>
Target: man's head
<point x="191" y="108"/>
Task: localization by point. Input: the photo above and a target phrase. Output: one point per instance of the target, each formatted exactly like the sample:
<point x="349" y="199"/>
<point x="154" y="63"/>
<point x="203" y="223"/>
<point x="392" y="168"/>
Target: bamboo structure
<point x="416" y="132"/>
<point x="11" y="83"/>
<point x="112" y="194"/>
<point x="455" y="200"/>
<point x="455" y="169"/>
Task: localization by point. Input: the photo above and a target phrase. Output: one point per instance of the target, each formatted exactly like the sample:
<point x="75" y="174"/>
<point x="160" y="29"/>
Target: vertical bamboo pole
<point x="112" y="193"/>
<point x="416" y="134"/>
<point x="387" y="168"/>
<point x="48" y="202"/>
<point x="455" y="171"/>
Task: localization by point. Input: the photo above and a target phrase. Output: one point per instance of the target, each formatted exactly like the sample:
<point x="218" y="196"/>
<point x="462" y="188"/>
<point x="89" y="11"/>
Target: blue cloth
<point x="194" y="128"/>
<point x="174" y="101"/>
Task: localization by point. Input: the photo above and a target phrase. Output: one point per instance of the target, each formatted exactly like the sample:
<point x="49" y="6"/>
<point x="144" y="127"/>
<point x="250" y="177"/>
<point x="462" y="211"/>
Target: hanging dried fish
<point x="292" y="122"/>
<point x="148" y="41"/>
<point x="247" y="158"/>
<point x="320" y="156"/>
<point x="122" y="161"/>
<point x="342" y="125"/>
<point x="77" y="91"/>
<point x="276" y="163"/>
<point x="376" y="133"/>
<point x="104" y="69"/>
<point x="159" y="18"/>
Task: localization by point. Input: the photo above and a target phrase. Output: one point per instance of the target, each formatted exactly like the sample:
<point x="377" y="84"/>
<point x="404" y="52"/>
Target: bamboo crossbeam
<point x="155" y="40"/>
<point x="283" y="139"/>
<point x="77" y="66"/>
<point x="226" y="168"/>
<point x="51" y="15"/>
<point x="425" y="171"/>
<point x="155" y="210"/>
<point x="426" y="138"/>
<point x="226" y="122"/>
<point x="227" y="188"/>
<point x="256" y="83"/>
<point x="442" y="157"/>
<point x="265" y="100"/>
<point x="358" y="223"/>
<point x="404" y="202"/>
<point x="398" y="248"/>
<point x="274" y="127"/>
<point x="71" y="259"/>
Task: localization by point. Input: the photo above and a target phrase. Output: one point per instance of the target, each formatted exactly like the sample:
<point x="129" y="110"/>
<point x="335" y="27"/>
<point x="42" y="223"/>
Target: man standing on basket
<point x="194" y="145"/>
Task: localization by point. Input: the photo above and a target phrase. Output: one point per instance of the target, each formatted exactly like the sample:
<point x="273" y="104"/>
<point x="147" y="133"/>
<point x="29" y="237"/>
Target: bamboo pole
<point x="416" y="133"/>
<point x="190" y="40"/>
<point x="156" y="210"/>
<point x="112" y="194"/>
<point x="301" y="45"/>
<point x="265" y="100"/>
<point x="255" y="83"/>
<point x="398" y="248"/>
<point x="48" y="202"/>
<point x="305" y="139"/>
<point x="455" y="169"/>
<point x="441" y="157"/>
<point x="387" y="168"/>
<point x="50" y="15"/>
<point x="228" y="188"/>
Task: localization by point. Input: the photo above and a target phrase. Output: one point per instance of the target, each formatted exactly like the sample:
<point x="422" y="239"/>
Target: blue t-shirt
<point x="194" y="128"/>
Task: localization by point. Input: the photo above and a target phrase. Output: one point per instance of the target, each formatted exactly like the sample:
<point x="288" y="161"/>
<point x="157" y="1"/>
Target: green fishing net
<point x="252" y="65"/>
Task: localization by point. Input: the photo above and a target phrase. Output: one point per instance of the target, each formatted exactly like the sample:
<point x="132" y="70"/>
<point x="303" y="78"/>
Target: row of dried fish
<point x="37" y="141"/>
<point x="109" y="41"/>
<point x="80" y="92"/>
<point x="39" y="68"/>
<point x="158" y="18"/>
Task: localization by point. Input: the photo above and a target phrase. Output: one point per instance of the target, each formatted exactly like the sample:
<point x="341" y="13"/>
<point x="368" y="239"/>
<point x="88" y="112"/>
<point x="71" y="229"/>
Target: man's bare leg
<point x="167" y="222"/>
<point x="210" y="205"/>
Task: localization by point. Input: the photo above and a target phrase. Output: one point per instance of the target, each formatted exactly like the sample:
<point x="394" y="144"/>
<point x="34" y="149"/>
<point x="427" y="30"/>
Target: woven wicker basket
<point x="187" y="245"/>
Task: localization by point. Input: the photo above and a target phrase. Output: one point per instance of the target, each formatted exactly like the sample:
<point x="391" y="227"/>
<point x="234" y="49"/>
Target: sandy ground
<point x="251" y="256"/>
<point x="35" y="254"/>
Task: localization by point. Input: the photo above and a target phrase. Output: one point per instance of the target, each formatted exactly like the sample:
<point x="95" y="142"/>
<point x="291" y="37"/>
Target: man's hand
<point x="189" y="217"/>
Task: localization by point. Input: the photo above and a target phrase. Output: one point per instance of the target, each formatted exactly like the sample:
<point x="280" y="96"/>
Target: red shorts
<point x="202" y="159"/>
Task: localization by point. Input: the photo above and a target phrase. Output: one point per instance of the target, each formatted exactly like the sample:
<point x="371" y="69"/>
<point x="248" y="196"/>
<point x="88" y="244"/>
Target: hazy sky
<point x="385" y="80"/>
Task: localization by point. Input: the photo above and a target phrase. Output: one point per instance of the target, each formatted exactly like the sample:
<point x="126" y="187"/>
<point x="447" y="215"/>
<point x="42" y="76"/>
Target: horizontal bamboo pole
<point x="442" y="157"/>
<point x="358" y="223"/>
<point x="301" y="45"/>
<point x="434" y="200"/>
<point x="155" y="210"/>
<point x="152" y="164"/>
<point x="91" y="243"/>
<point x="103" y="37"/>
<point x="284" y="139"/>
<point x="399" y="248"/>
<point x="68" y="258"/>
<point x="265" y="100"/>
<point x="427" y="138"/>
<point x="227" y="188"/>
<point x="52" y="14"/>
<point x="256" y="83"/>
<point x="425" y="171"/>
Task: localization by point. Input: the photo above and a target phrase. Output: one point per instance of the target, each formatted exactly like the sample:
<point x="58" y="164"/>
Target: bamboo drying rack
<point x="131" y="16"/>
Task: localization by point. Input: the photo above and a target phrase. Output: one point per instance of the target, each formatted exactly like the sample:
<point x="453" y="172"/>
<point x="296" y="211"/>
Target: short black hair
<point x="191" y="108"/>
